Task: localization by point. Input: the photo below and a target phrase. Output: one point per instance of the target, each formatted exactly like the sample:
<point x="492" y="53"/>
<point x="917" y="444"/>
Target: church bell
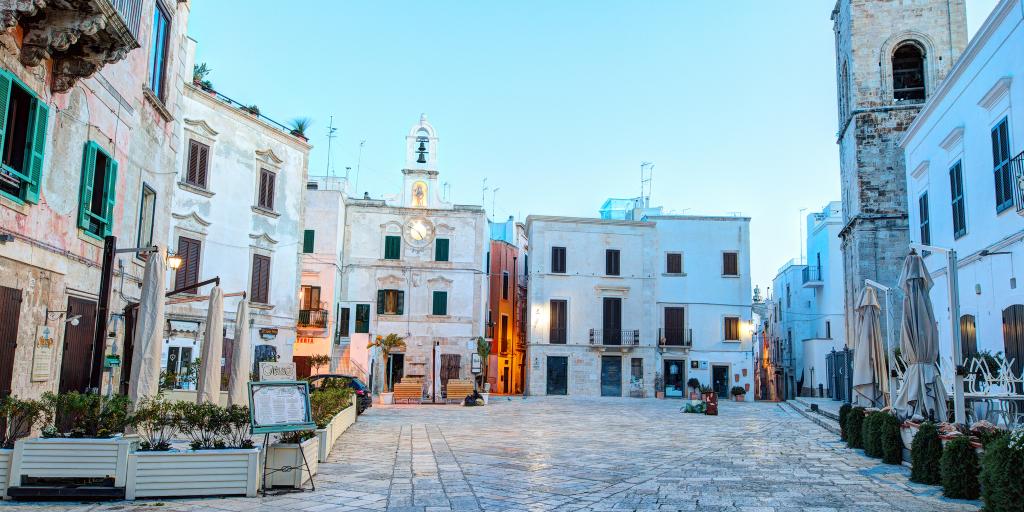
<point x="422" y="151"/>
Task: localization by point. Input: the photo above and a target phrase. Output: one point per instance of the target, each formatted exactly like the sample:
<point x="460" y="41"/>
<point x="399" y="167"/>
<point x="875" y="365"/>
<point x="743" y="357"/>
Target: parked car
<point x="359" y="388"/>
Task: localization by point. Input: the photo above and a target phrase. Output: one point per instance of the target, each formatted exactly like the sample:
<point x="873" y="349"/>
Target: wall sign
<point x="279" y="407"/>
<point x="42" y="354"/>
<point x="475" y="366"/>
<point x="277" y="371"/>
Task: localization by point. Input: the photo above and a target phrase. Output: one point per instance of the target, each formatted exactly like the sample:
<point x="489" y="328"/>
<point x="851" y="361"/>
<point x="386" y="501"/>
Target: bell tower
<point x="890" y="56"/>
<point x="420" y="187"/>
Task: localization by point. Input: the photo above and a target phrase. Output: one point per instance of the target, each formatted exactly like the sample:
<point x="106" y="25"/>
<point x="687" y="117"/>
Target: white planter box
<point x="5" y="470"/>
<point x="330" y="433"/>
<point x="387" y="398"/>
<point x="282" y="455"/>
<point x="71" y="458"/>
<point x="486" y="397"/>
<point x="233" y="472"/>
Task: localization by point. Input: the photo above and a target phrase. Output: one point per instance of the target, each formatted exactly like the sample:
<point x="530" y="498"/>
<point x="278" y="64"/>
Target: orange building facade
<point x="506" y="308"/>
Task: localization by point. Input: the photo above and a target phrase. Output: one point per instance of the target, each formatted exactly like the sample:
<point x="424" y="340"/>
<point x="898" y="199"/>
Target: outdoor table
<point x="1009" y="406"/>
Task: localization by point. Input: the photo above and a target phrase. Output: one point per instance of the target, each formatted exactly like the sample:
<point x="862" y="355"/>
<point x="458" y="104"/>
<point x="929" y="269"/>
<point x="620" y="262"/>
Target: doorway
<point x="675" y="378"/>
<point x="395" y="370"/>
<point x="10" y="313"/>
<point x="449" y="371"/>
<point x="611" y="376"/>
<point x="558" y="375"/>
<point x="76" y="362"/>
<point x="720" y="379"/>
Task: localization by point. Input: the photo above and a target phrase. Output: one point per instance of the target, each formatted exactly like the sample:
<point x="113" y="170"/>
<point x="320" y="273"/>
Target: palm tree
<point x="387" y="345"/>
<point x="483" y="349"/>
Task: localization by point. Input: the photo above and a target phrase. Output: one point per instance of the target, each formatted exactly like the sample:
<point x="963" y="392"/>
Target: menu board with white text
<point x="281" y="406"/>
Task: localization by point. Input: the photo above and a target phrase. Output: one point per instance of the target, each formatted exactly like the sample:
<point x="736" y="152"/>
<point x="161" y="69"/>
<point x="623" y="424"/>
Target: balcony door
<point x="612" y="324"/>
<point x="675" y="322"/>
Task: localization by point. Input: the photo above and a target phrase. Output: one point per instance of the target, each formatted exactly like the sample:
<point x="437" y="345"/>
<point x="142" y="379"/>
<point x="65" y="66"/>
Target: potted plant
<point x="483" y="349"/>
<point x="251" y="109"/>
<point x="293" y="450"/>
<point x="299" y="127"/>
<point x="318" y="361"/>
<point x="659" y="385"/>
<point x="199" y="72"/>
<point x="693" y="385"/>
<point x="333" y="412"/>
<point x="221" y="459"/>
<point x="19" y="417"/>
<point x="738" y="393"/>
<point x="387" y="345"/>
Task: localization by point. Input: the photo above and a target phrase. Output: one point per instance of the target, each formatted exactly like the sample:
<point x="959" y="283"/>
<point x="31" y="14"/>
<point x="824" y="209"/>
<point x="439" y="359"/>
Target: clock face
<point x="419" y="232"/>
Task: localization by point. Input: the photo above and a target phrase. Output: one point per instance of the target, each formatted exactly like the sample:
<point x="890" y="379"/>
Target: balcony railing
<point x="673" y="337"/>
<point x="313" y="318"/>
<point x="606" y="337"/>
<point x="812" y="275"/>
<point x="131" y="13"/>
<point x="1017" y="175"/>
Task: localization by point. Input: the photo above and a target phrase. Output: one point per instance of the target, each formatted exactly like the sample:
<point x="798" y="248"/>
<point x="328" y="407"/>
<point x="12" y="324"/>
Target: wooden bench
<point x="409" y="390"/>
<point x="457" y="390"/>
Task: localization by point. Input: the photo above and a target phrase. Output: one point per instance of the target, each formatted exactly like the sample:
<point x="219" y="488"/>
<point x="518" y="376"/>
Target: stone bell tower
<point x="890" y="56"/>
<point x="420" y="185"/>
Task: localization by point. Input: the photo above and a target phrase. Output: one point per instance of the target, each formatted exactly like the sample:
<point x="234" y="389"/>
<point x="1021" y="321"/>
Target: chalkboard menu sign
<point x="279" y="406"/>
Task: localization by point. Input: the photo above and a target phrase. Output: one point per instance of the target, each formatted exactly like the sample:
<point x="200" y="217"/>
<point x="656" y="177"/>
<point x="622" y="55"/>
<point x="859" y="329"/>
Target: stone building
<point x="90" y="98"/>
<point x="414" y="266"/>
<point x="507" y="261"/>
<point x="890" y="56"/>
<point x="236" y="214"/>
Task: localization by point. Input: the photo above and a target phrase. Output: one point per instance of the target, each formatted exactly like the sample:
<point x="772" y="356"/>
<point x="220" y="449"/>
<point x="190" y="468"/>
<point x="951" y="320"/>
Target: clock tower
<point x="420" y="186"/>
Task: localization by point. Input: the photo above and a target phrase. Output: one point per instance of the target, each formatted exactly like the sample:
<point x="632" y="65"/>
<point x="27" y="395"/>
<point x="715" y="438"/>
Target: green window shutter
<point x="307" y="241"/>
<point x="401" y="303"/>
<point x="34" y="153"/>
<point x="88" y="167"/>
<point x="5" y="101"/>
<point x="380" y="302"/>
<point x="441" y="249"/>
<point x="110" y="196"/>
<point x="392" y="248"/>
<point x="440" y="303"/>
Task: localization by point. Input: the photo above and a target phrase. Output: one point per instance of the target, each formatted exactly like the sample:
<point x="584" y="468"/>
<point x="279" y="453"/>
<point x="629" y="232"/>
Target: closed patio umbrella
<point x="922" y="392"/>
<point x="149" y="331"/>
<point x="870" y="371"/>
<point x="240" y="358"/>
<point x="208" y="382"/>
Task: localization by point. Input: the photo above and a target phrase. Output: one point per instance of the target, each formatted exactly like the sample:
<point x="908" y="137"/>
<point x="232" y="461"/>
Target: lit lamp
<point x="173" y="261"/>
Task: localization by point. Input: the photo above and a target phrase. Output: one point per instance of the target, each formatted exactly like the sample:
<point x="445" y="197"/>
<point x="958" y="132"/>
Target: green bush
<point x="155" y="420"/>
<point x="844" y="412"/>
<point x="1002" y="473"/>
<point x="959" y="469"/>
<point x="297" y="437"/>
<point x="77" y="414"/>
<point x="327" y="402"/>
<point x="854" y="428"/>
<point x="925" y="455"/>
<point x="18" y="416"/>
<point x="203" y="424"/>
<point x="870" y="435"/>
<point x="890" y="439"/>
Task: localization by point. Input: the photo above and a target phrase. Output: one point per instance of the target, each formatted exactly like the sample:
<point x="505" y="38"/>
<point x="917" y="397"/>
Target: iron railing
<point x="627" y="337"/>
<point x="839" y="368"/>
<point x="313" y="318"/>
<point x="1017" y="176"/>
<point x="812" y="273"/>
<point x="131" y="13"/>
<point x="675" y="337"/>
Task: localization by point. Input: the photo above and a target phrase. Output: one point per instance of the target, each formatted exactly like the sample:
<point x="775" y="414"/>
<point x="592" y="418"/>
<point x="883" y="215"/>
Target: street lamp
<point x="959" y="409"/>
<point x="173" y="261"/>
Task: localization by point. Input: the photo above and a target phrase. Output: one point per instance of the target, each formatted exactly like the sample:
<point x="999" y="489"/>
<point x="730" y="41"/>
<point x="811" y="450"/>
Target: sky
<point x="556" y="104"/>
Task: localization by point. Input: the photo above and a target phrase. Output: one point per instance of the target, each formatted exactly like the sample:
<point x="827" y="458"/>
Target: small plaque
<point x="273" y="371"/>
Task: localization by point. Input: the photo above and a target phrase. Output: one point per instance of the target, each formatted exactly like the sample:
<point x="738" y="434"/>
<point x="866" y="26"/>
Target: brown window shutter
<point x="270" y="190"/>
<point x="203" y="164"/>
<point x="192" y="173"/>
<point x="260" y="278"/>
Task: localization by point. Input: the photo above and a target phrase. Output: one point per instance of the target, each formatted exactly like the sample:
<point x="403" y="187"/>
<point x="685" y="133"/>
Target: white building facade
<point x="963" y="155"/>
<point x="414" y="266"/>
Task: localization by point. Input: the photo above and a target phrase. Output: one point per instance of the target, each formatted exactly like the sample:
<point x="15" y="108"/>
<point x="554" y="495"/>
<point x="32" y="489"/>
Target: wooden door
<point x="76" y="361"/>
<point x="612" y="324"/>
<point x="611" y="376"/>
<point x="558" y="375"/>
<point x="10" y="315"/>
<point x="449" y="370"/>
<point x="302" y="367"/>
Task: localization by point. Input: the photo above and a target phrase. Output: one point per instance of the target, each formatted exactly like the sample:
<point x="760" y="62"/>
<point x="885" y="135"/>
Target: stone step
<point x="819" y="410"/>
<point x="823" y="421"/>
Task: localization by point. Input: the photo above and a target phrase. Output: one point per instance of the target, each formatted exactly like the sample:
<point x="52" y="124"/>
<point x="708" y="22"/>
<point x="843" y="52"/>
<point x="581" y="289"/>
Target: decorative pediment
<point x="262" y="240"/>
<point x="444" y="228"/>
<point x="391" y="226"/>
<point x="390" y="281"/>
<point x="268" y="156"/>
<point x="920" y="170"/>
<point x="953" y="138"/>
<point x="996" y="93"/>
<point x="191" y="221"/>
<point x="201" y="127"/>
<point x="611" y="291"/>
<point x="439" y="282"/>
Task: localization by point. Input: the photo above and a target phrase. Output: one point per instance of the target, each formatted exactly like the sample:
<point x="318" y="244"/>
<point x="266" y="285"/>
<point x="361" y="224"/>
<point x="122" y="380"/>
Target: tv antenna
<point x="331" y="134"/>
<point x="646" y="176"/>
<point x="483" y="193"/>
<point x="359" y="163"/>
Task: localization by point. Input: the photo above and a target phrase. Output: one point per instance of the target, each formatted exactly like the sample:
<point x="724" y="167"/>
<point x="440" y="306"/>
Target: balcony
<point x="79" y="36"/>
<point x="1017" y="175"/>
<point x="313" y="318"/>
<point x="614" y="338"/>
<point x="812" y="276"/>
<point x="675" y="338"/>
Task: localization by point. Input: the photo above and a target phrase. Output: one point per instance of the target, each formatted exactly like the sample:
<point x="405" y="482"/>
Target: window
<point x="504" y="334"/>
<point x="611" y="262"/>
<point x="147" y="211"/>
<point x="343" y="319"/>
<point x="636" y="369"/>
<point x="362" y="318"/>
<point x="968" y="337"/>
<point x="308" y="239"/>
<point x="557" y="321"/>
<point x="390" y="302"/>
<point x="441" y="249"/>
<point x="1001" y="166"/>
<point x="310" y="297"/>
<point x="440" y="304"/>
<point x="956" y="192"/>
<point x="730" y="264"/>
<point x="828" y="329"/>
<point x="266" y="193"/>
<point x="158" y="51"/>
<point x="198" y="164"/>
<point x="22" y="140"/>
<point x="99" y="189"/>
<point x="789" y="298"/>
<point x="732" y="328"/>
<point x="674" y="263"/>
<point x="487" y="264"/>
<point x="558" y="260"/>
<point x="189" y="249"/>
<point x="922" y="211"/>
<point x="908" y="73"/>
<point x="260" y="287"/>
<point x="504" y="285"/>
<point x="392" y="247"/>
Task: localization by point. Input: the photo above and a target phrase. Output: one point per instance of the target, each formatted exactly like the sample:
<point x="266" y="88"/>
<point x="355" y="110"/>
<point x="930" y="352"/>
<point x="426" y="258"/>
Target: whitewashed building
<point x="617" y="304"/>
<point x="236" y="214"/>
<point x="413" y="265"/>
<point x="963" y="161"/>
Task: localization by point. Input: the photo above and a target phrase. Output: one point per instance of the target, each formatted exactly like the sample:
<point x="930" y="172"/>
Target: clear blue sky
<point x="557" y="103"/>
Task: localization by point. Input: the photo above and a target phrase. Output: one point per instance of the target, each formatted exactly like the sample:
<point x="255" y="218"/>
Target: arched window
<point x="844" y="93"/>
<point x="968" y="338"/>
<point x="908" y="73"/>
<point x="1013" y="336"/>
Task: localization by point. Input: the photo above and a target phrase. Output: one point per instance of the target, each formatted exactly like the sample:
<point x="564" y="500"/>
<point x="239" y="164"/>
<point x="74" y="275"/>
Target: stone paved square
<point x="602" y="454"/>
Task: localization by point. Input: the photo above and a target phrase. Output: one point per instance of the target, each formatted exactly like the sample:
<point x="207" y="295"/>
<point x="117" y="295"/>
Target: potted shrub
<point x="19" y="417"/>
<point x="958" y="468"/>
<point x="926" y="455"/>
<point x="293" y="450"/>
<point x="387" y="345"/>
<point x="251" y="109"/>
<point x="221" y="460"/>
<point x="483" y="349"/>
<point x="299" y="126"/>
<point x="1002" y="472"/>
<point x="855" y="428"/>
<point x="333" y="412"/>
<point x="844" y="412"/>
<point x="738" y="393"/>
<point x="199" y="72"/>
<point x="693" y="385"/>
<point x="891" y="443"/>
<point x="659" y="385"/>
